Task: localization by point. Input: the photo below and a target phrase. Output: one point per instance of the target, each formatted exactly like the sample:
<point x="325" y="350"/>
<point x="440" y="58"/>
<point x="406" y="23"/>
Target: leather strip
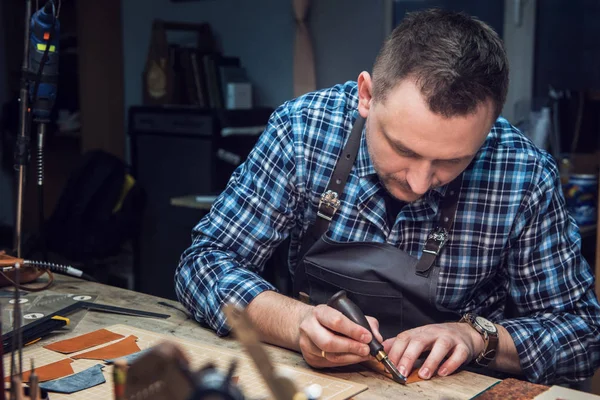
<point x="50" y="371"/>
<point x="448" y="207"/>
<point x="336" y="184"/>
<point x="342" y="171"/>
<point x="119" y="349"/>
<point x="82" y="342"/>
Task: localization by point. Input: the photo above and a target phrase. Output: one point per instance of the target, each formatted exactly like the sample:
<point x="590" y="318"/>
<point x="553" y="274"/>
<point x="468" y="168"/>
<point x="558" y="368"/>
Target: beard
<point x="389" y="183"/>
<point x="398" y="188"/>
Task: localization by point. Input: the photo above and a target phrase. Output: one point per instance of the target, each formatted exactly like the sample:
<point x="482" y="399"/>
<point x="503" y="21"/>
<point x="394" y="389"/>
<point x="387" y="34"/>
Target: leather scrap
<point x="85" y="379"/>
<point x="131" y="358"/>
<point x="378" y="367"/>
<point x="120" y="349"/>
<point x="511" y="388"/>
<point x="50" y="371"/>
<point x="82" y="342"/>
<point x="414" y="377"/>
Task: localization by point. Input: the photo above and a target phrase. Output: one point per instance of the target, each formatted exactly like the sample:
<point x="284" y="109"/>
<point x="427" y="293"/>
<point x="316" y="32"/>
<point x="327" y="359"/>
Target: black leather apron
<point x="385" y="282"/>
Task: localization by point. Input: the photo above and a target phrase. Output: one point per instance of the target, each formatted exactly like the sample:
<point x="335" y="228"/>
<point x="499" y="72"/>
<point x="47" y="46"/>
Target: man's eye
<point x="448" y="162"/>
<point x="405" y="152"/>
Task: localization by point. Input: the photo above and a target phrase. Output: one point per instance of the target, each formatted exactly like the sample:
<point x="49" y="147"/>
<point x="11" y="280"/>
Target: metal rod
<point x="23" y="131"/>
<point x="14" y="337"/>
<point x="15" y="371"/>
<point x="18" y="319"/>
<point x="33" y="383"/>
<point x="3" y="386"/>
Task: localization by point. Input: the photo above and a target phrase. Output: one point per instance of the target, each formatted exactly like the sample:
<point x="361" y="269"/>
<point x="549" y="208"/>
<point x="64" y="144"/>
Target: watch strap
<point x="488" y="354"/>
<point x="490" y="348"/>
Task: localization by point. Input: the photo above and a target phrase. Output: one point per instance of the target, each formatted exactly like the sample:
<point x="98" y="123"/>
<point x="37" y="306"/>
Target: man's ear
<point x="365" y="93"/>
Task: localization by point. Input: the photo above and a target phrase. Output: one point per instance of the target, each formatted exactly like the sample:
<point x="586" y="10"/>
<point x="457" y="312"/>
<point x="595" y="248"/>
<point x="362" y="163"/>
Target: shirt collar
<point x="364" y="166"/>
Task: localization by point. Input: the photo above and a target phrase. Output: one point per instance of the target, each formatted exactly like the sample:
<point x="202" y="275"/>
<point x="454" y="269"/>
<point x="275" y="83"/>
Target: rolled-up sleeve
<point x="231" y="244"/>
<point x="557" y="336"/>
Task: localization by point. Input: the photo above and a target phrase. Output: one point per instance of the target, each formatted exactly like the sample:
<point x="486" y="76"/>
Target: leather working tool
<point x="343" y="304"/>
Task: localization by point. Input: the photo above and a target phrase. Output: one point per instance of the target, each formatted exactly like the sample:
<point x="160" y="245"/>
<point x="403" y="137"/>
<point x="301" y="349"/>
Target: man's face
<point x="414" y="149"/>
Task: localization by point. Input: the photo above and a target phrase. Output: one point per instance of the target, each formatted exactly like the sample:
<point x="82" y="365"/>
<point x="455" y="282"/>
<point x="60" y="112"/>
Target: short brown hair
<point x="457" y="61"/>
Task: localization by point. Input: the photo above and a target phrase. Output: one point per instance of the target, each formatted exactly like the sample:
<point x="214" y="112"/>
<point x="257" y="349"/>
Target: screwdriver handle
<point x="343" y="304"/>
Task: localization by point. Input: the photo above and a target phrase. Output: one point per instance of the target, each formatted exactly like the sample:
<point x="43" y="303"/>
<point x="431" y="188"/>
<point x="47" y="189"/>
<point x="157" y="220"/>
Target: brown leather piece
<point x="414" y="377"/>
<point x="512" y="389"/>
<point x="378" y="367"/>
<point x="120" y="349"/>
<point x="83" y="342"/>
<point x="55" y="370"/>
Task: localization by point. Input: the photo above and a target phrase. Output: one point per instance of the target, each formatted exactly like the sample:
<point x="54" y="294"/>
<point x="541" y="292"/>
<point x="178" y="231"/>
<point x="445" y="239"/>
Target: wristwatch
<point x="489" y="332"/>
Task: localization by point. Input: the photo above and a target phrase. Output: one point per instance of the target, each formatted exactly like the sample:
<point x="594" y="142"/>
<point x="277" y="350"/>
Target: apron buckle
<point x="436" y="240"/>
<point x="328" y="205"/>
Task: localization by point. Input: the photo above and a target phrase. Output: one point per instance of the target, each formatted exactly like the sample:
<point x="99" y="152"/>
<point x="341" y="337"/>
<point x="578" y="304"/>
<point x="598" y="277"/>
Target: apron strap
<point x="329" y="203"/>
<point x="439" y="235"/>
<point x="330" y="200"/>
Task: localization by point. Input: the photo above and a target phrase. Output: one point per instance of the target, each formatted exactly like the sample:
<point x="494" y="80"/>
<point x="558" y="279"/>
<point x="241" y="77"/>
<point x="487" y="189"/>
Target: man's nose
<point x="419" y="177"/>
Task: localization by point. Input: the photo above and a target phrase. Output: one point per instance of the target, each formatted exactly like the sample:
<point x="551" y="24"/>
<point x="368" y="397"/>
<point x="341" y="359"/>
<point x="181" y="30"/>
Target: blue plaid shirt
<point x="512" y="236"/>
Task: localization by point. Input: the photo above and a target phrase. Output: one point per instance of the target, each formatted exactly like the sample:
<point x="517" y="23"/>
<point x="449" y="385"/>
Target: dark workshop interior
<point x="158" y="101"/>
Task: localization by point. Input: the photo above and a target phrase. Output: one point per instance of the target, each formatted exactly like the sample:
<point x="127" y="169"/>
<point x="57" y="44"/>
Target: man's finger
<point x="388" y="343"/>
<point x="459" y="356"/>
<point x="412" y="353"/>
<point x="399" y="345"/>
<point x="314" y="356"/>
<point x="310" y="348"/>
<point x="329" y="342"/>
<point x="336" y="321"/>
<point x="375" y="328"/>
<point x="442" y="346"/>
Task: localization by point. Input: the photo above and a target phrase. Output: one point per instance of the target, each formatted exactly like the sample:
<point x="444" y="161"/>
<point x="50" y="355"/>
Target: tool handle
<point x="343" y="304"/>
<point x="32" y="334"/>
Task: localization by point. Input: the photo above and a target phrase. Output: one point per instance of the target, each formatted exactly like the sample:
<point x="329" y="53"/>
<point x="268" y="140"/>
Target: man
<point x="441" y="210"/>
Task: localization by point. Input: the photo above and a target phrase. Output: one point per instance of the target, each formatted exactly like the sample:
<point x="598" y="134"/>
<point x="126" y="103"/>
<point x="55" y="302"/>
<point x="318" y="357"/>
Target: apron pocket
<point x="376" y="299"/>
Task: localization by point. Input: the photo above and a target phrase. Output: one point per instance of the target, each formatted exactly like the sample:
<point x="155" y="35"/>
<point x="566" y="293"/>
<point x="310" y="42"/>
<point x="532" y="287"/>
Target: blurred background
<point x="160" y="100"/>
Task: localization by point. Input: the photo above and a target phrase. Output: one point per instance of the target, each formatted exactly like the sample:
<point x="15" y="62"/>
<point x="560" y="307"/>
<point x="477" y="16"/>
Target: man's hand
<point x="321" y="333"/>
<point x="289" y="323"/>
<point x="457" y="341"/>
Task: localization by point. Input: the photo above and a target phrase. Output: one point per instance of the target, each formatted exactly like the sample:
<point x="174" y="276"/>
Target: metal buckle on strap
<point x="328" y="205"/>
<point x="439" y="235"/>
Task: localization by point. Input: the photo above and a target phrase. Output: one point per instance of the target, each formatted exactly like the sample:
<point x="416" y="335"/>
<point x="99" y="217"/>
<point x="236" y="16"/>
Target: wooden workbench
<point x="463" y="385"/>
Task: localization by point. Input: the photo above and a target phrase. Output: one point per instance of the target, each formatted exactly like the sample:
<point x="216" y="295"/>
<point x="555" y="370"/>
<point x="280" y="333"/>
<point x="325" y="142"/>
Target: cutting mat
<point x="199" y="354"/>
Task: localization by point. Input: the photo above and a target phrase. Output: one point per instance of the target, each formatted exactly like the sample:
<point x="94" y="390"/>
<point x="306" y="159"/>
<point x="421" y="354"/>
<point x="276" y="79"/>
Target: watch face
<point x="485" y="324"/>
